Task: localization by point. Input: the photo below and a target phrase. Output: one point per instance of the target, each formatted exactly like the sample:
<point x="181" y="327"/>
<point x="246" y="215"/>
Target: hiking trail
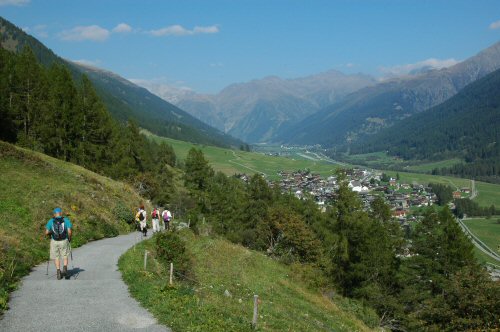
<point x="95" y="298"/>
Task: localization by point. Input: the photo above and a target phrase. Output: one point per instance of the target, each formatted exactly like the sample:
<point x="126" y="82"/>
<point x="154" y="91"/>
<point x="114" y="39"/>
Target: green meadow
<point x="234" y="161"/>
<point x="218" y="295"/>
<point x="488" y="230"/>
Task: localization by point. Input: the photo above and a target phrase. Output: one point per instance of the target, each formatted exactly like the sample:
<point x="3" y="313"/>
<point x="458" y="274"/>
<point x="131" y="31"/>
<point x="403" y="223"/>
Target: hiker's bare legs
<point x="57" y="263"/>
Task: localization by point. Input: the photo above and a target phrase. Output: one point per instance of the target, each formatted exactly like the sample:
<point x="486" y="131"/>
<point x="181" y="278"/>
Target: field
<point x="233" y="161"/>
<point x="219" y="294"/>
<point x="488" y="230"/>
<point x="427" y="167"/>
<point x="382" y="160"/>
<point x="266" y="162"/>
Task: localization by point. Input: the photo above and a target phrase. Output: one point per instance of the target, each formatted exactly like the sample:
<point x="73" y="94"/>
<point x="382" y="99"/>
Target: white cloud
<point x="179" y="30"/>
<point x="122" y="28"/>
<point x="350" y="65"/>
<point x="80" y="33"/>
<point x="495" y="25"/>
<point x="85" y="62"/>
<point x="41" y="31"/>
<point x="173" y="30"/>
<point x="14" y="2"/>
<point x="410" y="68"/>
<point x="216" y="64"/>
<point x="172" y="92"/>
<point x="209" y="29"/>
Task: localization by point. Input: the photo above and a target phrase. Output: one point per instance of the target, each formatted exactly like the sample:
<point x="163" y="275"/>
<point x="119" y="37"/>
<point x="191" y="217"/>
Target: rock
<point x="227" y="293"/>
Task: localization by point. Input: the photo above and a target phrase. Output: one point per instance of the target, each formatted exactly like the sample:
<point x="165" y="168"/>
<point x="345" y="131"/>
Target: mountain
<point x="370" y="109"/>
<point x="256" y="111"/>
<point x="122" y="98"/>
<point x="465" y="126"/>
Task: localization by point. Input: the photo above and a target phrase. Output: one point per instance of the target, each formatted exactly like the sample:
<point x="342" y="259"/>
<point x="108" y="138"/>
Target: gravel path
<point x="95" y="298"/>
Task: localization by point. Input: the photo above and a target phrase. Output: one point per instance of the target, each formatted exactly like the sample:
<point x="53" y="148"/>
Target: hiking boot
<point x="59" y="276"/>
<point x="65" y="272"/>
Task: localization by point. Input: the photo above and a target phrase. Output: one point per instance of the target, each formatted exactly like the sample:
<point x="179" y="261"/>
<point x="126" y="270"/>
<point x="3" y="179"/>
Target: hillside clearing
<point x="199" y="304"/>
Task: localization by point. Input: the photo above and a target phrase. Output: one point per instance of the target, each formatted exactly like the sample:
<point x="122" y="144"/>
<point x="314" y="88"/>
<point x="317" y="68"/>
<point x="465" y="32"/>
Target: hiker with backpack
<point x="155" y="217"/>
<point x="60" y="230"/>
<point x="166" y="215"/>
<point x="141" y="218"/>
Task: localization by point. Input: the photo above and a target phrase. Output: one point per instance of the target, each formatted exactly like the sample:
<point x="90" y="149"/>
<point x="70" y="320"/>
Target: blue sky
<point x="208" y="44"/>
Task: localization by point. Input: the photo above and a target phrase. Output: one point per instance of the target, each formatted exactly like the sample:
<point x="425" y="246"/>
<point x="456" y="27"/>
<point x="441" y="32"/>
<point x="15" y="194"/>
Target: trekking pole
<point x="48" y="262"/>
<point x="71" y="255"/>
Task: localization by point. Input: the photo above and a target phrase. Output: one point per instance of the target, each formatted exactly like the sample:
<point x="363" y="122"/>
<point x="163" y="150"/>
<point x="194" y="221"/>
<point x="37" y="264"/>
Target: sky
<point x="205" y="45"/>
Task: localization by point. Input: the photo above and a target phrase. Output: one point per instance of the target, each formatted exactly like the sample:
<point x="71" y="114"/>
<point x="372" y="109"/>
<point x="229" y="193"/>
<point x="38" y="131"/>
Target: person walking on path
<point x="141" y="217"/>
<point x="60" y="230"/>
<point x="155" y="217"/>
<point x="166" y="216"/>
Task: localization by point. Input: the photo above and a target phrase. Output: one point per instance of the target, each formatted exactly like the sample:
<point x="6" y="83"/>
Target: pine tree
<point x="28" y="90"/>
<point x="8" y="130"/>
<point x="198" y="171"/>
<point x="59" y="130"/>
<point x="95" y="129"/>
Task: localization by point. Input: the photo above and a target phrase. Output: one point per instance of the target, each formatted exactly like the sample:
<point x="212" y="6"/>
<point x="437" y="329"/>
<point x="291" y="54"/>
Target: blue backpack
<point x="59" y="231"/>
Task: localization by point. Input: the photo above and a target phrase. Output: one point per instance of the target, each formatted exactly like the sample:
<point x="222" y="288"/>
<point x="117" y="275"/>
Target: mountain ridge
<point x="372" y="108"/>
<point x="123" y="99"/>
<point x="257" y="109"/>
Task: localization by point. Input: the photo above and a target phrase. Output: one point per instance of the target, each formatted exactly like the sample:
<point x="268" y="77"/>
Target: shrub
<point x="108" y="230"/>
<point x="170" y="248"/>
<point x="123" y="213"/>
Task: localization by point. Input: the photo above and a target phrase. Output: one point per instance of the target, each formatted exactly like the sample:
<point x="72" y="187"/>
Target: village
<point x="404" y="199"/>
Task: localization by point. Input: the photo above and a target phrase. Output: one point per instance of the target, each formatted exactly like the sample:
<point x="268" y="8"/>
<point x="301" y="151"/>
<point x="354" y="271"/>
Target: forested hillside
<point x="466" y="126"/>
<point x="47" y="111"/>
<point x="424" y="279"/>
<point x="123" y="99"/>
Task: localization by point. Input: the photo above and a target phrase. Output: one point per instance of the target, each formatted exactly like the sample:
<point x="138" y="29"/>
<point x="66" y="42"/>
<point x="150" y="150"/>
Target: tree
<point x="59" y="132"/>
<point x="95" y="129"/>
<point x="198" y="171"/>
<point x="289" y="237"/>
<point x="440" y="251"/>
<point x="8" y="130"/>
<point x="379" y="210"/>
<point x="27" y="93"/>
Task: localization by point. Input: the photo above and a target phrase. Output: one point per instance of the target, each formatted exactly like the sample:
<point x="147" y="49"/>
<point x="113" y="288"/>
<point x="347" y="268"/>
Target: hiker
<point x="141" y="218"/>
<point x="155" y="217"/>
<point x="60" y="230"/>
<point x="166" y="215"/>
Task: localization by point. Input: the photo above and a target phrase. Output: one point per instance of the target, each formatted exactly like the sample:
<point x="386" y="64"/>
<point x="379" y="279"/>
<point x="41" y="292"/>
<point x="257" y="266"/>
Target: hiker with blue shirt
<point x="60" y="230"/>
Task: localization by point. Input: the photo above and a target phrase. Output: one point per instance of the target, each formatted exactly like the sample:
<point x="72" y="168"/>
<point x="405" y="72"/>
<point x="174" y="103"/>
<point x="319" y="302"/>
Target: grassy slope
<point x="231" y="161"/>
<point x="488" y="230"/>
<point x="287" y="305"/>
<point x="31" y="185"/>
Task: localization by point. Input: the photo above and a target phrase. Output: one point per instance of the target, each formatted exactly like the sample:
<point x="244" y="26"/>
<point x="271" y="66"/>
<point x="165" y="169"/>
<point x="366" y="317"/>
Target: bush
<point x="108" y="230"/>
<point x="170" y="248"/>
<point x="363" y="312"/>
<point x="123" y="213"/>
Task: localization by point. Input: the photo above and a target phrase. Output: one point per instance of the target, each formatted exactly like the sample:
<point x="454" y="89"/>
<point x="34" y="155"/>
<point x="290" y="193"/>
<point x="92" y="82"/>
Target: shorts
<point x="59" y="249"/>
